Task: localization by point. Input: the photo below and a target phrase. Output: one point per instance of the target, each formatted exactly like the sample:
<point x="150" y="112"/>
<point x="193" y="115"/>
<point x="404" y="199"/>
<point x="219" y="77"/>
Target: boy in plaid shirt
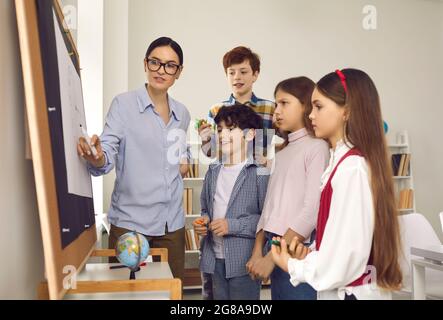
<point x="232" y="200"/>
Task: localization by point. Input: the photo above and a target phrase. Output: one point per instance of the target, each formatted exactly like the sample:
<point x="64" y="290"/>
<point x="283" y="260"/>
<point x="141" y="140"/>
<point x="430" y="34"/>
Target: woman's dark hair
<point x="239" y="115"/>
<point x="164" y="42"/>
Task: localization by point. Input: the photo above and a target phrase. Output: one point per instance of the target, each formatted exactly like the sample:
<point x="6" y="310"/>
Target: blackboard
<point x="67" y="219"/>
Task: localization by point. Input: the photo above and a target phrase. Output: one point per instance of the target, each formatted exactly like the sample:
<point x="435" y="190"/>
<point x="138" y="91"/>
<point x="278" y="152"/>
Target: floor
<point x="195" y="294"/>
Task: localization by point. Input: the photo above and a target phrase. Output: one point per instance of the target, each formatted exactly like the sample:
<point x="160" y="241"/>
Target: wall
<point x="115" y="67"/>
<point x="103" y="45"/>
<point x="22" y="266"/>
<point x="89" y="32"/>
<point x="70" y="10"/>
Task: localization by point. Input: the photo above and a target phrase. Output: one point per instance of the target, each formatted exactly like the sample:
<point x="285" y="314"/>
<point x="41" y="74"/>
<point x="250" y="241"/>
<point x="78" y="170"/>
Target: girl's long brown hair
<point x="301" y="88"/>
<point x="364" y="129"/>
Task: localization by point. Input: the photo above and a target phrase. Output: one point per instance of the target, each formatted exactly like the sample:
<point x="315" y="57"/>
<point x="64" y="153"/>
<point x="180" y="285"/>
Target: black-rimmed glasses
<point x="169" y="67"/>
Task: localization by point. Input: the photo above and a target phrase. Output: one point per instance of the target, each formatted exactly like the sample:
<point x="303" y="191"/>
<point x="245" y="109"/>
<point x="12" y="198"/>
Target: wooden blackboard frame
<point x="78" y="251"/>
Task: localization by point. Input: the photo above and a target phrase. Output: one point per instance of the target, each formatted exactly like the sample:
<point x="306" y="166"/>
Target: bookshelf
<point x="401" y="161"/>
<point x="193" y="184"/>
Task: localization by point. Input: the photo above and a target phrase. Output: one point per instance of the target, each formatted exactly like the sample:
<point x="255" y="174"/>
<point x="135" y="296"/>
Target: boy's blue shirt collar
<point x="145" y="101"/>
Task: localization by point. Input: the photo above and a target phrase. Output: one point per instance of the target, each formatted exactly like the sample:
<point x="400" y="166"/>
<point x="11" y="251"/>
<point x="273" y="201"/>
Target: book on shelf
<point x="406" y="199"/>
<point x="192" y="277"/>
<point x="190" y="194"/>
<point x="187" y="201"/>
<point x="187" y="244"/>
<point x="193" y="171"/>
<point x="192" y="240"/>
<point x="401" y="164"/>
<point x="197" y="240"/>
<point x="406" y="168"/>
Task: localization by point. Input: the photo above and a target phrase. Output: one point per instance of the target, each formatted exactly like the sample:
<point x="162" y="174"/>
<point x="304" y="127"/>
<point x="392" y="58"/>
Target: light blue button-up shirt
<point x="146" y="154"/>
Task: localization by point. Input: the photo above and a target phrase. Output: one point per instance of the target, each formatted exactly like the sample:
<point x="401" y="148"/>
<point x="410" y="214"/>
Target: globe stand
<point x="132" y="274"/>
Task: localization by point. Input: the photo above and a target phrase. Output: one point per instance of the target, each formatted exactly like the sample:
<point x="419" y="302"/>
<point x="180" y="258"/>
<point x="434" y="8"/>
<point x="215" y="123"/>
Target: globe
<point x="132" y="249"/>
<point x="385" y="127"/>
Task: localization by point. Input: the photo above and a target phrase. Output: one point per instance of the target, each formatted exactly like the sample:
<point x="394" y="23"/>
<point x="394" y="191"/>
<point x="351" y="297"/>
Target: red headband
<point x="342" y="79"/>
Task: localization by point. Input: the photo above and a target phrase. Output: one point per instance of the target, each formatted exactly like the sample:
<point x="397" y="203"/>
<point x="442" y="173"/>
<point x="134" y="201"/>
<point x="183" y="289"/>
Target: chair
<point x="416" y="231"/>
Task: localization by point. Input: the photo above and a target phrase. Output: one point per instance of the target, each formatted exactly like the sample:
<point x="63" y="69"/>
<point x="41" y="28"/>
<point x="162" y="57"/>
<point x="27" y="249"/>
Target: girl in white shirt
<point x="357" y="244"/>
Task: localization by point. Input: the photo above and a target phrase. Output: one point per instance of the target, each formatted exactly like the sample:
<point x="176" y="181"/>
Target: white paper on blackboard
<point x="73" y="115"/>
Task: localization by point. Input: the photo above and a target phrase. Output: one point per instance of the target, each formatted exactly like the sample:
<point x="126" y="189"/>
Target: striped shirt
<point x="264" y="108"/>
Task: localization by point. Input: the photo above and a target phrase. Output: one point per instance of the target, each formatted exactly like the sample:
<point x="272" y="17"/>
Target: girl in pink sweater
<point x="293" y="195"/>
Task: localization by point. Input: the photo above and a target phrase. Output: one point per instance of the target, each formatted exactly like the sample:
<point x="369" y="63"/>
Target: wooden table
<point x="102" y="272"/>
<point x="98" y="281"/>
